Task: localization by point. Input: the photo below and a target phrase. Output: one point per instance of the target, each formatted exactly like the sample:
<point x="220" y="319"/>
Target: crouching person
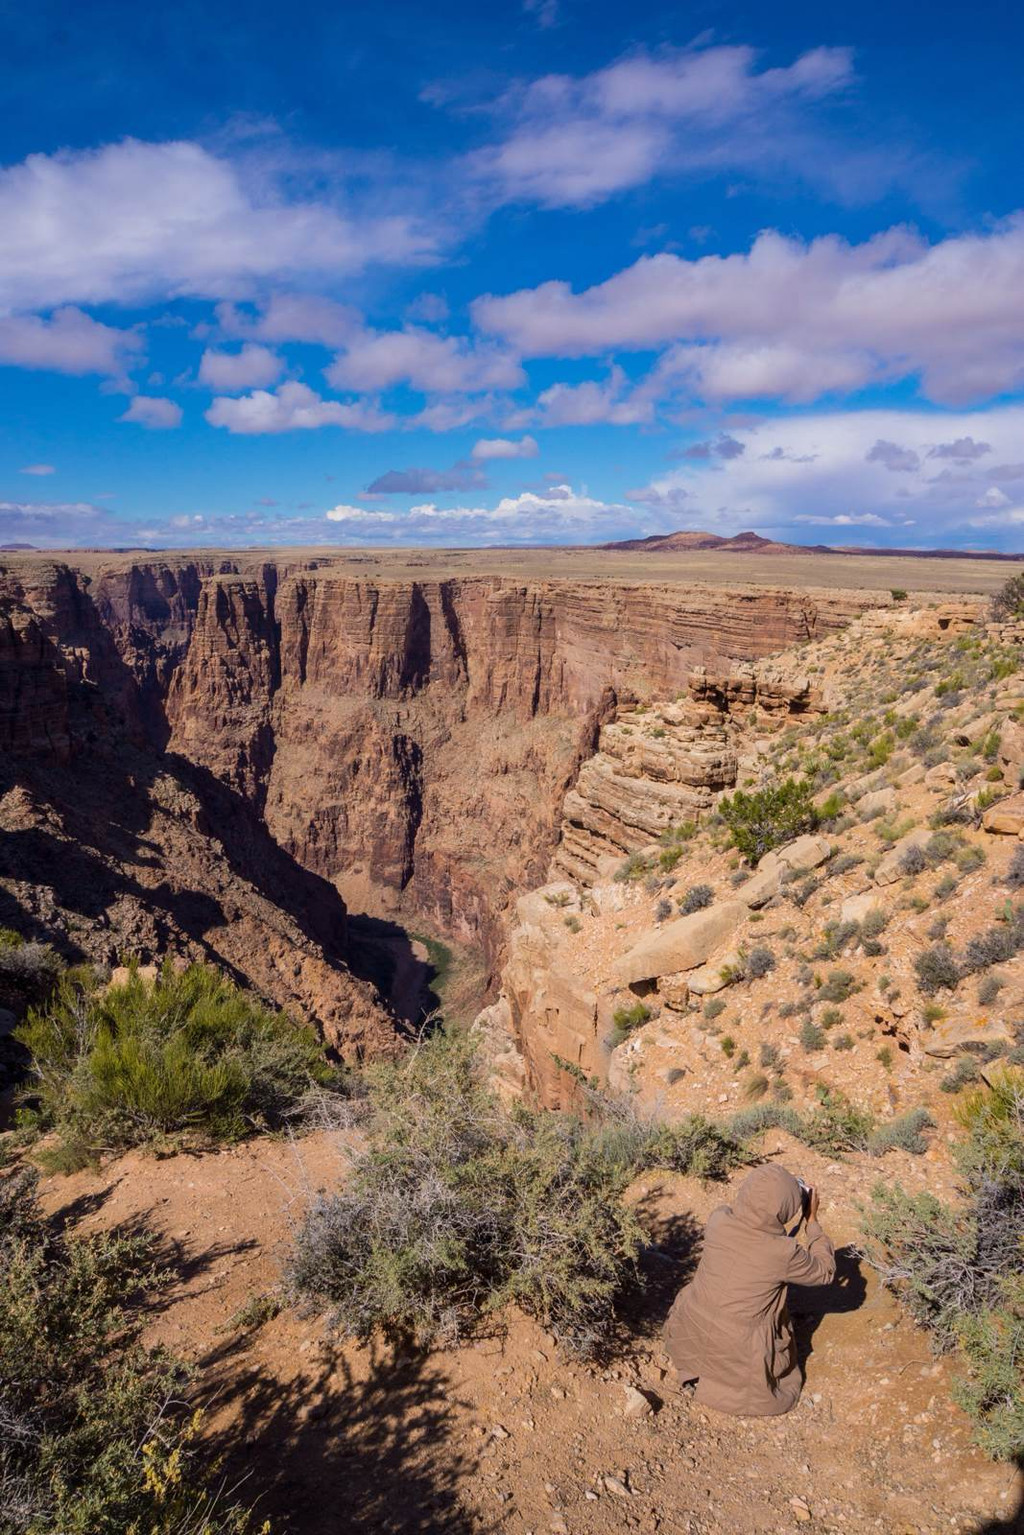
<point x="729" y="1328"/>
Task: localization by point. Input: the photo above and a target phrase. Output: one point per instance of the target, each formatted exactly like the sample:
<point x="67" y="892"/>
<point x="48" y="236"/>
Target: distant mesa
<point x="12" y="548"/>
<point x="753" y="543"/>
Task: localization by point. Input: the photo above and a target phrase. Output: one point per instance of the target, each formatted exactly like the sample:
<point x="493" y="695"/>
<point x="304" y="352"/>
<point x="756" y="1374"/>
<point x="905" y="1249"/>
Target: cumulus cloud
<point x="723" y="446"/>
<point x="574" y="141"/>
<point x="306" y="317"/>
<point x="963" y="451"/>
<point x="68" y="342"/>
<point x="52" y="524"/>
<point x="131" y="221"/>
<point x="892" y="457"/>
<point x="558" y="514"/>
<point x="504" y="447"/>
<point x="794" y="320"/>
<point x="253" y="367"/>
<point x="153" y="412"/>
<point x="294" y="407"/>
<point x="377" y="360"/>
<point x="837" y="469"/>
<point x="592" y="403"/>
<point x="38" y="469"/>
<point x="425" y="482"/>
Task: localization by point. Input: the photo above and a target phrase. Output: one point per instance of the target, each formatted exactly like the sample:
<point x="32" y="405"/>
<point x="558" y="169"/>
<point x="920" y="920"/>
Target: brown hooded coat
<point x="729" y="1328"/>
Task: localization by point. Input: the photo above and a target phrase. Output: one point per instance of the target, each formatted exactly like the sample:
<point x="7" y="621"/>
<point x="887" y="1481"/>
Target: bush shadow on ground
<point x="810" y="1304"/>
<point x="368" y="1443"/>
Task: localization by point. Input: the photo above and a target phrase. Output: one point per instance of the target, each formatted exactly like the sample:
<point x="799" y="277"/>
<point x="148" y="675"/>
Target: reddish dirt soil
<point x="500" y="1435"/>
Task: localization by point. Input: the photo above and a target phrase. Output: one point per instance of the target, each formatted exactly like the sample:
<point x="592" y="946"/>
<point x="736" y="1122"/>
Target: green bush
<point x="902" y="1133"/>
<point x="839" y="986"/>
<point x="696" y="899"/>
<point x="958" y="1267"/>
<point x="456" y="1207"/>
<point x="769" y="817"/>
<point x="98" y="1435"/>
<point x="625" y="1020"/>
<point x="811" y="1037"/>
<point x="937" y="969"/>
<point x="188" y="1054"/>
<point x="1008" y="602"/>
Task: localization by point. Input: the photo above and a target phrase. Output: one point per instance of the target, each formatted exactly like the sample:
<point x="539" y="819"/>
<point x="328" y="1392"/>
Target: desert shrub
<point x="839" y="986"/>
<point x="944" y="889"/>
<point x="836" y="937"/>
<point x="668" y="858"/>
<point x="189" y="1053"/>
<point x="626" y="1019"/>
<point x="970" y="858"/>
<point x="768" y="1055"/>
<point x="844" y="863"/>
<point x="837" y="1125"/>
<point x="756" y="1086"/>
<point x="727" y="1045"/>
<point x="769" y="817"/>
<point x="558" y="898"/>
<point x="696" y="899"/>
<point x="99" y="1436"/>
<point x="456" y="1207"/>
<point x="662" y="910"/>
<point x="874" y="922"/>
<point x="843" y="1042"/>
<point x="632" y="868"/>
<point x="1015" y="873"/>
<point x="964" y="1071"/>
<point x="902" y="1133"/>
<point x="991" y="947"/>
<point x="764" y="1116"/>
<point x="1008" y="602"/>
<point x="830" y="1016"/>
<point x="957" y="1268"/>
<point x="684" y="832"/>
<point x="811" y="1037"/>
<point x="898" y="594"/>
<point x="913" y="861"/>
<point x="714" y="1007"/>
<point x="884" y="1057"/>
<point x="988" y="989"/>
<point x="936" y="969"/>
<point x="759" y="961"/>
<point x="938" y="929"/>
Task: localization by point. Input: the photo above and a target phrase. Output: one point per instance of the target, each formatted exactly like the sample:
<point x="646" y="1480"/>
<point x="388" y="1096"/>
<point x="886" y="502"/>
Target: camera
<point x="805" y="1197"/>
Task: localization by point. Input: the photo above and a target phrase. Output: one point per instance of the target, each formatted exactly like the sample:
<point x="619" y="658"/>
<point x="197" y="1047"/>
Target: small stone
<point x="497" y="1432"/>
<point x="638" y="1404"/>
<point x="801" y="1513"/>
<point x="614" y="1485"/>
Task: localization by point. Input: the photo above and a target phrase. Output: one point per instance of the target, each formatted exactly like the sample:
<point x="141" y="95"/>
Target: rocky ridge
<point x="913" y="733"/>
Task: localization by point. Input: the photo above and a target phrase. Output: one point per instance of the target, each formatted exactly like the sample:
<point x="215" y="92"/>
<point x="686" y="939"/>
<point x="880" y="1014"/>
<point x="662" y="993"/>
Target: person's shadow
<point x="810" y="1304"/>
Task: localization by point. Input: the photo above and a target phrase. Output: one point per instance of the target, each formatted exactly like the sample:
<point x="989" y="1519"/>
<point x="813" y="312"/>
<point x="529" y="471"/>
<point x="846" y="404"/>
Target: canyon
<point x="244" y="749"/>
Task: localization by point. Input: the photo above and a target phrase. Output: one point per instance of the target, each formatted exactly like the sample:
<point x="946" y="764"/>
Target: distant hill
<point x="10" y="548"/>
<point x="753" y="543"/>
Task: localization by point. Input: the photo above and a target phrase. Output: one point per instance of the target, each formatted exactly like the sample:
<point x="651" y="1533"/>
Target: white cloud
<point x="559" y="514"/>
<point x="794" y="321"/>
<point x="504" y="447"/>
<point x="591" y="403"/>
<point x="53" y="524"/>
<point x="251" y="368"/>
<point x="68" y="342"/>
<point x="823" y="469"/>
<point x="294" y="407"/>
<point x="574" y="141"/>
<point x="38" y="469"/>
<point x="306" y="317"/>
<point x="132" y="221"/>
<point x="376" y="360"/>
<point x="153" y="412"/>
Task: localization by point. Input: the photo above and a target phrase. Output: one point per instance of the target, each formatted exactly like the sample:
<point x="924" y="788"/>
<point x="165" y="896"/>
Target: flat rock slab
<point x="1007" y="818"/>
<point x="680" y="945"/>
<point x="889" y="871"/>
<point x="954" y="1035"/>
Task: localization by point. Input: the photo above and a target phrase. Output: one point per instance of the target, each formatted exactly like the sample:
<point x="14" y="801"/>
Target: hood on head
<point x="768" y="1198"/>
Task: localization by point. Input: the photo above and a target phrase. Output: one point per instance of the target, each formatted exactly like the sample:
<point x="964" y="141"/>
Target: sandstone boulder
<point x="1007" y="818"/>
<point x="954" y="1035"/>
<point x="914" y="774"/>
<point x="680" y="945"/>
<point x="856" y="907"/>
<point x="889" y="870"/>
<point x="877" y="803"/>
<point x="799" y="856"/>
<point x="715" y="977"/>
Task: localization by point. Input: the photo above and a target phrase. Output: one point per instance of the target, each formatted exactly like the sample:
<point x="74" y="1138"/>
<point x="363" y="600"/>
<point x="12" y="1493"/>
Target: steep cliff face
<point x="409" y="741"/>
<point x="412" y="741"/>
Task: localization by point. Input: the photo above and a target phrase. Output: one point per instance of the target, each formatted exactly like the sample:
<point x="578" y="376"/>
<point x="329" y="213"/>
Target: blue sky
<point x="541" y="272"/>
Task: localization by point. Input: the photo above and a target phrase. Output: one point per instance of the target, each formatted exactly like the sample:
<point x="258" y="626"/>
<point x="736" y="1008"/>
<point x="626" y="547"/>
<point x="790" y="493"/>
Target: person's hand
<point x="812" y="1205"/>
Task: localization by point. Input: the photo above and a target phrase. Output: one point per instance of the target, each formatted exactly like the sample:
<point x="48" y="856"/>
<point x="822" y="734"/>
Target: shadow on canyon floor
<point x="365" y="1446"/>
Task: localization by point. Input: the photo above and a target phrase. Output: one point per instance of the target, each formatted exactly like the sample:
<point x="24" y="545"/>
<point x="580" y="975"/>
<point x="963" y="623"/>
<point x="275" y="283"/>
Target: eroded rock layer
<point x="409" y="741"/>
